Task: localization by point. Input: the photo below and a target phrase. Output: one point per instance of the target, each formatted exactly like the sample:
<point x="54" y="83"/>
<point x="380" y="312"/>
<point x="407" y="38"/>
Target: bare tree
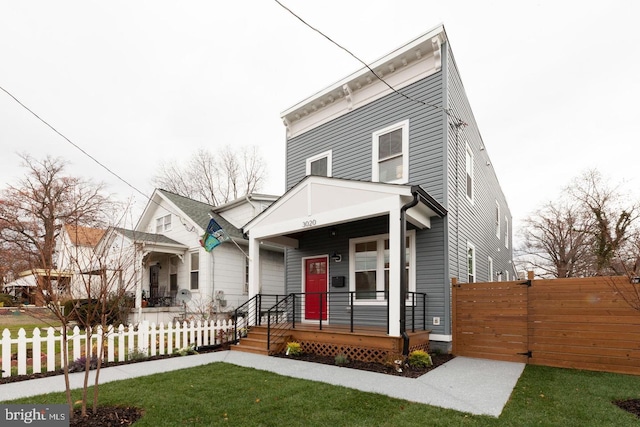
<point x="612" y="221"/>
<point x="32" y="211"/>
<point x="214" y="178"/>
<point x="592" y="230"/>
<point x="555" y="242"/>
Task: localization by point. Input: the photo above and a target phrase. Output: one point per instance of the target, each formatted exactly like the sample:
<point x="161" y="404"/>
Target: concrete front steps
<point x="256" y="342"/>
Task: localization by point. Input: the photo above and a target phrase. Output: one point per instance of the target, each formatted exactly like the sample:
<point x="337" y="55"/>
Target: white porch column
<point x="395" y="247"/>
<point x="254" y="266"/>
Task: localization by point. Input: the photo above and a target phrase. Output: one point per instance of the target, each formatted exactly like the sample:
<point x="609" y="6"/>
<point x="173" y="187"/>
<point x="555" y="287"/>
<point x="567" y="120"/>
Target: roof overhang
<point x="317" y="202"/>
<point x="414" y="61"/>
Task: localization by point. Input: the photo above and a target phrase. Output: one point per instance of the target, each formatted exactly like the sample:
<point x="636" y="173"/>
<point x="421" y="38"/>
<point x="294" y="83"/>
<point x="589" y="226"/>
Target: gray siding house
<point x="369" y="167"/>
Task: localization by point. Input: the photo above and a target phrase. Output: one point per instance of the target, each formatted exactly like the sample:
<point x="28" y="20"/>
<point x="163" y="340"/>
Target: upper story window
<point x="194" y="280"/>
<point x="163" y="223"/>
<point x="469" y="173"/>
<point x="320" y="164"/>
<point x="506" y="232"/>
<point x="391" y="154"/>
<point x="471" y="263"/>
<point x="497" y="219"/>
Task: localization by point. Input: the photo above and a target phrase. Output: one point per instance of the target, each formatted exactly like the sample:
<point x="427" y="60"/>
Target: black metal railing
<point x="357" y="311"/>
<point x="252" y="313"/>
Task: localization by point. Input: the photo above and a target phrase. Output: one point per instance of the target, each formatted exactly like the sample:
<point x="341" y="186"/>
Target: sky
<point x="554" y="85"/>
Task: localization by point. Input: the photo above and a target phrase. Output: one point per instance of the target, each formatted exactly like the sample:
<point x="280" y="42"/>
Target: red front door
<point x="315" y="280"/>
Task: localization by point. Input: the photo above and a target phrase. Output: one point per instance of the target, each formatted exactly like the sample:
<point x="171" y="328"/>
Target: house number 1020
<point x="309" y="223"/>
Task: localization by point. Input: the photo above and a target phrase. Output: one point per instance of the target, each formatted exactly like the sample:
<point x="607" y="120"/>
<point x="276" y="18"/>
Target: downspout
<point x="403" y="272"/>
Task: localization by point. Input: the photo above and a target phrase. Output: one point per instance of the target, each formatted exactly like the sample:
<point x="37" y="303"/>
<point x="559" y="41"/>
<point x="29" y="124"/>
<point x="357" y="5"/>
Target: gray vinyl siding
<point x="472" y="222"/>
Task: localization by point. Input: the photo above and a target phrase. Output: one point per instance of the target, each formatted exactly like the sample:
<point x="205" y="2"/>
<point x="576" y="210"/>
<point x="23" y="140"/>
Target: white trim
<point x="380" y="238"/>
<point x="303" y="286"/>
<point x="468" y="164"/>
<point x="506" y="232"/>
<point x="440" y="337"/>
<point x="498" y="218"/>
<point x="408" y="64"/>
<point x="490" y="268"/>
<point x="329" y="156"/>
<point x="375" y="161"/>
<point x="475" y="265"/>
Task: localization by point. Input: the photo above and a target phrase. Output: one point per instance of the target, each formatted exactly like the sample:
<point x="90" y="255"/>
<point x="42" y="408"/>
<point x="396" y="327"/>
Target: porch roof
<point x="317" y="202"/>
<point x="154" y="242"/>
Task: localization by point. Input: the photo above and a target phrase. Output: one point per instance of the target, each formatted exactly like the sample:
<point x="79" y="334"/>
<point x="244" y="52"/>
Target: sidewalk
<point x="477" y="386"/>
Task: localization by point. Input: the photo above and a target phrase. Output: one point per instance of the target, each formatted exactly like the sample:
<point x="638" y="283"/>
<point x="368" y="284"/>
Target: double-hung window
<point x="468" y="166"/>
<point x="391" y="154"/>
<point x="163" y="223"/>
<point x="471" y="263"/>
<point x="370" y="267"/>
<point x="195" y="271"/>
<point x="320" y="164"/>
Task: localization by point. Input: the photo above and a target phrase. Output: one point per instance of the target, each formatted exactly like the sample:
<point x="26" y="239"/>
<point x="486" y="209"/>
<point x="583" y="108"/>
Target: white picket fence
<point x="121" y="343"/>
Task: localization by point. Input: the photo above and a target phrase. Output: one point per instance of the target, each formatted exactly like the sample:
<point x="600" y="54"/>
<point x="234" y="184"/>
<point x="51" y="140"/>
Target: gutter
<point x="418" y="195"/>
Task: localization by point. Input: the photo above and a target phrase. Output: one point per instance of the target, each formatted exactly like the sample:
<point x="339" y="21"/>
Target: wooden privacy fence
<point x="581" y="323"/>
<point x="41" y="350"/>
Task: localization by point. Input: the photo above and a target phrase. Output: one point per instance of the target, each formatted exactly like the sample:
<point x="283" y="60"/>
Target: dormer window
<point x="320" y="164"/>
<point x="163" y="224"/>
<point x="391" y="154"/>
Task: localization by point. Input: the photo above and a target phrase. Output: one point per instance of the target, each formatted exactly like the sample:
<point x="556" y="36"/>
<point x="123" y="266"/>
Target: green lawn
<point x="224" y="394"/>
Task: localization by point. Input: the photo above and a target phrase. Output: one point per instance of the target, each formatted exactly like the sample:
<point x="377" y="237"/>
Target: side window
<point x="506" y="232"/>
<point x="471" y="263"/>
<point x="320" y="165"/>
<point x="390" y="162"/>
<point x="497" y="219"/>
<point x="195" y="271"/>
<point x="491" y="278"/>
<point x="469" y="173"/>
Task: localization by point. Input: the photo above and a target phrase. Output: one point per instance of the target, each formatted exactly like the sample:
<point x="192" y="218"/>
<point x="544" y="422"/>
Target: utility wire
<point x="90" y="156"/>
<point x="419" y="101"/>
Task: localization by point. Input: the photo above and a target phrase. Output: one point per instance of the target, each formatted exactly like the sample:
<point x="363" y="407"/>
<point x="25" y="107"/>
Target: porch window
<point x="195" y="270"/>
<point x="163" y="224"/>
<point x="320" y="165"/>
<point x="391" y="154"/>
<point x="370" y="266"/>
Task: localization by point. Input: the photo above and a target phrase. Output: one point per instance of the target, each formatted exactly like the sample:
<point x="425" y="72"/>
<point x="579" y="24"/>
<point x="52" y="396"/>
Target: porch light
<point x="635" y="280"/>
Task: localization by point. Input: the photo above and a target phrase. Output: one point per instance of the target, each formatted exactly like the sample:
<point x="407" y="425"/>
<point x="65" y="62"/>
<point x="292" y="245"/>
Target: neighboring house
<point x="382" y="182"/>
<point x="171" y="260"/>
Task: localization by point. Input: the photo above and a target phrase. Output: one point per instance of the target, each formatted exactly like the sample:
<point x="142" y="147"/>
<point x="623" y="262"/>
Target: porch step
<point x="256" y="341"/>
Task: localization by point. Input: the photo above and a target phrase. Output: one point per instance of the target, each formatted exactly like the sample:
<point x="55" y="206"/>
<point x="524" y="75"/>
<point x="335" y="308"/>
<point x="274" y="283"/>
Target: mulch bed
<point x="629" y="405"/>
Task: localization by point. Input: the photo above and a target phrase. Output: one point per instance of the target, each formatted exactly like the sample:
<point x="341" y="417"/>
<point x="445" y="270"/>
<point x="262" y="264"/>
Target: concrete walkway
<point x="477" y="386"/>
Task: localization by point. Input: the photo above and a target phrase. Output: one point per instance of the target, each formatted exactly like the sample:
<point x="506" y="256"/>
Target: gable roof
<point x="141" y="236"/>
<point x="200" y="213"/>
<point x="84" y="236"/>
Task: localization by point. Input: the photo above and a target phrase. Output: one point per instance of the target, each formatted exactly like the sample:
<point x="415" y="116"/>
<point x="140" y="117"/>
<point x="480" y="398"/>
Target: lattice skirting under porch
<point x="363" y="354"/>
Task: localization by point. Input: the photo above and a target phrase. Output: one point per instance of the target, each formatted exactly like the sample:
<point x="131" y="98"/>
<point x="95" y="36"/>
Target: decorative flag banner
<point x="213" y="236"/>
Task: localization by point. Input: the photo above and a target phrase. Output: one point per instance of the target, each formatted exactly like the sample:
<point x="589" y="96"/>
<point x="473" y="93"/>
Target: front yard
<point x="224" y="394"/>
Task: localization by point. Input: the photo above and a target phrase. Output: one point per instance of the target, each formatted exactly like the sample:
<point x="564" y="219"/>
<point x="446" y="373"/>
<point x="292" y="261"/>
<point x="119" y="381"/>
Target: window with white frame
<point x="469" y="173"/>
<point x="506" y="232"/>
<point x="491" y="278"/>
<point x="497" y="219"/>
<point x="471" y="262"/>
<point x="163" y="223"/>
<point x="370" y="266"/>
<point x="194" y="280"/>
<point x="391" y="154"/>
<point x="320" y="165"/>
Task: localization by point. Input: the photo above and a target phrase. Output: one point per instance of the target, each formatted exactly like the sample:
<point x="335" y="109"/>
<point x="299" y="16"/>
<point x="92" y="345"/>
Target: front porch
<point x="328" y="324"/>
